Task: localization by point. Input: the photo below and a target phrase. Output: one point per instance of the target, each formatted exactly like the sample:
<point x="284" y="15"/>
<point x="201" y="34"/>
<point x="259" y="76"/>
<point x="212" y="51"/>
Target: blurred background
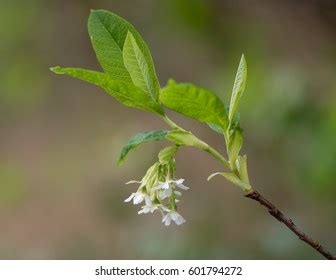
<point x="61" y="191"/>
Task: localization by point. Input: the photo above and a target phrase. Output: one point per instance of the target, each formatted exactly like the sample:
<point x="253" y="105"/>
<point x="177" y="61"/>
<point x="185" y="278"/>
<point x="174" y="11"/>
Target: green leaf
<point x="139" y="139"/>
<point x="234" y="179"/>
<point x="106" y="36"/>
<point x="125" y="93"/>
<point x="216" y="128"/>
<point x="238" y="87"/>
<point x="194" y="102"/>
<point x="235" y="144"/>
<point x="242" y="168"/>
<point x="167" y="154"/>
<point x="185" y="138"/>
<point x="136" y="65"/>
<point x="108" y="33"/>
<point x="234" y="124"/>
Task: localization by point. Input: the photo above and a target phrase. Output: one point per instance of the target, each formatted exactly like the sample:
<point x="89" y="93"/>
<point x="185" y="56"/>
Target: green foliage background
<point x="61" y="191"/>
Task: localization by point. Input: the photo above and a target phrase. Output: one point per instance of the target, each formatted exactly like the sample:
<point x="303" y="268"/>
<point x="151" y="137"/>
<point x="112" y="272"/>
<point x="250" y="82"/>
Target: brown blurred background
<point x="61" y="191"/>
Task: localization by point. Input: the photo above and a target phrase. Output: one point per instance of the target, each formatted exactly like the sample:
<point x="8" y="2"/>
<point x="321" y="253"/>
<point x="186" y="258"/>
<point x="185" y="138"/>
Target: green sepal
<point x="166" y="154"/>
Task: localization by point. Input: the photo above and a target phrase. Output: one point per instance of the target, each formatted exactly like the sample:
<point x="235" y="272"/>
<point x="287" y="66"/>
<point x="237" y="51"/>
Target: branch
<point x="277" y="214"/>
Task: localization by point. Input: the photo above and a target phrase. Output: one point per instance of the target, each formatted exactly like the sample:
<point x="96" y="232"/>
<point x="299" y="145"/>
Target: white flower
<point x="180" y="185"/>
<point x="146" y="209"/>
<point x="163" y="186"/>
<point x="166" y="193"/>
<point x="137" y="197"/>
<point x="173" y="215"/>
<point x="150" y="207"/>
<point x="167" y="189"/>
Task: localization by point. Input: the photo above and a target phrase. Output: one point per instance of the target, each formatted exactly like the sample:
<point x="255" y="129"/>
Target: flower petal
<point x="181" y="186"/>
<point x="141" y="211"/>
<point x="148" y="201"/>
<point x="177" y="218"/>
<point x="153" y="208"/>
<point x="165" y="186"/>
<point x="177" y="193"/>
<point x="138" y="198"/>
<point x="180" y="220"/>
<point x="166" y="219"/>
<point x="179" y="181"/>
<point x="129" y="198"/>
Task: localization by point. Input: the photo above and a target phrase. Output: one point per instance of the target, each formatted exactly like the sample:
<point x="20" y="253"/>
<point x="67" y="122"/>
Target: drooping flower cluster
<point x="158" y="191"/>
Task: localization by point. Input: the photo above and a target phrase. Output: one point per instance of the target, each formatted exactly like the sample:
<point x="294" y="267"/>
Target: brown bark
<point x="277" y="214"/>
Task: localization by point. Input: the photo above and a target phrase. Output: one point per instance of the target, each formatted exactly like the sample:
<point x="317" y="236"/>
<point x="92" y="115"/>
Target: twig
<point x="276" y="213"/>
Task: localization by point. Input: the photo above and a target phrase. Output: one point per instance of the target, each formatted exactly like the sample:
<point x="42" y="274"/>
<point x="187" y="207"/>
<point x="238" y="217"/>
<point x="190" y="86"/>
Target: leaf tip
<point x="93" y="11"/>
<point x="243" y="61"/>
<point x="56" y="70"/>
<point x="130" y="39"/>
<point x="171" y="82"/>
<point x="129" y="33"/>
<point x="213" y="175"/>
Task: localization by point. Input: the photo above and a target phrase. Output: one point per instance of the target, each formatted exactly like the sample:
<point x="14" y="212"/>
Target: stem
<point x="277" y="214"/>
<point x="171" y="123"/>
<point x="208" y="148"/>
<point x="218" y="156"/>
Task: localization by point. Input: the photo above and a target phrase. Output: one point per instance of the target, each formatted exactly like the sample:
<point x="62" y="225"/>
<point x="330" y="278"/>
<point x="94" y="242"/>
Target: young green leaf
<point x="194" y="102"/>
<point x="242" y="168"/>
<point x="166" y="154"/>
<point x="139" y="139"/>
<point x="125" y="93"/>
<point x="235" y="144"/>
<point x="136" y="65"/>
<point x="108" y="32"/>
<point x="238" y="87"/>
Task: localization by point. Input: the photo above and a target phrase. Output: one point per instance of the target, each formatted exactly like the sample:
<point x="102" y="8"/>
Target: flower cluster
<point x="158" y="191"/>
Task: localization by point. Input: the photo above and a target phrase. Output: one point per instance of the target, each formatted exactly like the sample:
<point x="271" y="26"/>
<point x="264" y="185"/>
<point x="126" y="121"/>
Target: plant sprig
<point x="129" y="76"/>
